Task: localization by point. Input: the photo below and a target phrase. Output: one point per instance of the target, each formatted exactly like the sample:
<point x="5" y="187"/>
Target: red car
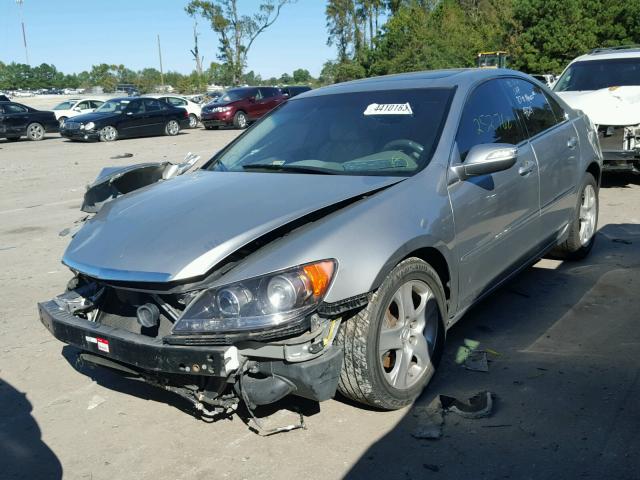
<point x="240" y="106"/>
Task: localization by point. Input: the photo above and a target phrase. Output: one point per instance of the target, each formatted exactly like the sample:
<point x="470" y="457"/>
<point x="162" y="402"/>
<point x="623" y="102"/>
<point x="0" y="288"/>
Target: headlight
<point x="221" y="109"/>
<point x="258" y="303"/>
<point x="89" y="126"/>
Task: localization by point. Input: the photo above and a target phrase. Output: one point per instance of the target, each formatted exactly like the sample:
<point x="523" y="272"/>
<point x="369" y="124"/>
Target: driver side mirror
<point x="487" y="158"/>
<point x="76" y="109"/>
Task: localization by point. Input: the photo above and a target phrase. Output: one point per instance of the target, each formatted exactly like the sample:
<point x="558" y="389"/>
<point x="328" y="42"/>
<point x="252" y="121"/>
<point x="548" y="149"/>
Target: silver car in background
<point x="332" y="244"/>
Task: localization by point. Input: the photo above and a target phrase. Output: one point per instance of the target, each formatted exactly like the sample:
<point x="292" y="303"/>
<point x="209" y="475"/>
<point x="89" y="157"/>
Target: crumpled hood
<point x="607" y="106"/>
<point x="180" y="228"/>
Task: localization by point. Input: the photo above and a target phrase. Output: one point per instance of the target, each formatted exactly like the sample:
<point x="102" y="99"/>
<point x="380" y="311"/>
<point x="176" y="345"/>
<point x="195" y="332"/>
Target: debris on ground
<point x="430" y="420"/>
<point x="478" y="406"/>
<point x="477" y="361"/>
<point x="96" y="401"/>
<point x="431" y="417"/>
<point x="124" y="155"/>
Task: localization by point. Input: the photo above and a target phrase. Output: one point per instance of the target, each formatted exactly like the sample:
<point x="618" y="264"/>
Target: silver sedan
<point x="332" y="244"/>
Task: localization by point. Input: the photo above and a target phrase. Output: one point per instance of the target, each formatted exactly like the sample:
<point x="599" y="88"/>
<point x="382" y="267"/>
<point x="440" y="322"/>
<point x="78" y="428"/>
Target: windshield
<point x="389" y="132"/>
<point x="113" y="106"/>
<point x="597" y="74"/>
<point x="234" y="95"/>
<point x="65" y="105"/>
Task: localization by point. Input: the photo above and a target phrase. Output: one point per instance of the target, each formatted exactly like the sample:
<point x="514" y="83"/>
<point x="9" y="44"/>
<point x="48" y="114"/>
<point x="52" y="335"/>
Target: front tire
<point x="108" y="134"/>
<point x="583" y="227"/>
<point x="240" y="120"/>
<point x="393" y="346"/>
<point x="172" y="128"/>
<point x="35" y="132"/>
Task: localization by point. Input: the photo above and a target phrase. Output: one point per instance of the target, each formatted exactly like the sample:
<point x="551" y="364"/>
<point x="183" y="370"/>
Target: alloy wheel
<point x="587" y="215"/>
<point x="408" y="335"/>
<point x="35" y="131"/>
<point x="172" y="127"/>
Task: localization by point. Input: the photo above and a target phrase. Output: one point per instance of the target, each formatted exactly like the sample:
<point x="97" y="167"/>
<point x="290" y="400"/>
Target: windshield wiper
<point x="289" y="168"/>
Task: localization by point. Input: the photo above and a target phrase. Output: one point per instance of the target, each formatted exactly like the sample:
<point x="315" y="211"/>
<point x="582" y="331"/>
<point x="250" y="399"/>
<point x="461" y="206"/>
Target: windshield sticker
<point x="389" y="109"/>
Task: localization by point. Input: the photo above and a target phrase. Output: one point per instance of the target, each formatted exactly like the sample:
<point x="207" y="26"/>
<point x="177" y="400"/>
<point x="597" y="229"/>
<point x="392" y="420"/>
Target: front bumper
<point x="315" y="378"/>
<point x="138" y="351"/>
<point x="217" y="119"/>
<point x="89" y="135"/>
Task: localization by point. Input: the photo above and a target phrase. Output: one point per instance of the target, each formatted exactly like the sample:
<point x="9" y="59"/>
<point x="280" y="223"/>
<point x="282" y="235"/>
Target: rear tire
<point x="35" y="132"/>
<point x="172" y="128"/>
<point x="393" y="346"/>
<point x="583" y="227"/>
<point x="193" y="121"/>
<point x="61" y="120"/>
<point x="240" y="120"/>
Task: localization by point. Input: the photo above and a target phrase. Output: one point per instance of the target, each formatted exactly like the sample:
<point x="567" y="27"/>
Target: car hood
<point x="181" y="228"/>
<point x="607" y="106"/>
<point x="94" y="117"/>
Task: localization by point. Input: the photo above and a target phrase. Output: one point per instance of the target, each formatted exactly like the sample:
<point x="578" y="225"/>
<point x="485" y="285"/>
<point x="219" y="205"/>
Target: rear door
<point x="496" y="215"/>
<point x="555" y="143"/>
<point x="155" y="115"/>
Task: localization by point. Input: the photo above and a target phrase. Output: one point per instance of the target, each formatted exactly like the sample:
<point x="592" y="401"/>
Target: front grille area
<point x="612" y="138"/>
<point x="71" y="125"/>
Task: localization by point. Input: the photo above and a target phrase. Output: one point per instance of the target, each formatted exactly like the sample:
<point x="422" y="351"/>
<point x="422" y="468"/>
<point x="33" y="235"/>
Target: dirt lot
<point x="567" y="377"/>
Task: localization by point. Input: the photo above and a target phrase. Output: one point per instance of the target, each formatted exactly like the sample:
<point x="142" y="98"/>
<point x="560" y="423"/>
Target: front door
<point x="133" y="123"/>
<point x="496" y="215"/>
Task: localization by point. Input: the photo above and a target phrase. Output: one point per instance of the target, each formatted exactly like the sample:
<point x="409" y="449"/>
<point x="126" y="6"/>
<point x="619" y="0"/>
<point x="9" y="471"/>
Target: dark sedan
<point x="17" y="120"/>
<point x="127" y="117"/>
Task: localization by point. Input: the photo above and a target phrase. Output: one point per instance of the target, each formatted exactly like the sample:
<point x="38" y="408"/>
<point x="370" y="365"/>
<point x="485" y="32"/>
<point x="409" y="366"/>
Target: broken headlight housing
<point x="258" y="303"/>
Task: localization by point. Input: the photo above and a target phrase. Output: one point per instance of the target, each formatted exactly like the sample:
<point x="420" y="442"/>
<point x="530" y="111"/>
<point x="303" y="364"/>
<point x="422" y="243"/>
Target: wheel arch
<point x="595" y="170"/>
<point x="430" y="254"/>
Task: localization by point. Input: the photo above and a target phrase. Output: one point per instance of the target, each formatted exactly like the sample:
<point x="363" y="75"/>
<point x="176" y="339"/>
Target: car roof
<point x="609" y="54"/>
<point x="462" y="77"/>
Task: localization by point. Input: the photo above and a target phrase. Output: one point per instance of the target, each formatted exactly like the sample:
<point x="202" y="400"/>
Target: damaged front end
<point x="257" y="341"/>
<point x="620" y="147"/>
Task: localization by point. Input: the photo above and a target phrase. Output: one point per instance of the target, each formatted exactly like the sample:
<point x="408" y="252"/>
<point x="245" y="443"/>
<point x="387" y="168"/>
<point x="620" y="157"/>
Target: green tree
<point x="301" y="75"/>
<point x="236" y="32"/>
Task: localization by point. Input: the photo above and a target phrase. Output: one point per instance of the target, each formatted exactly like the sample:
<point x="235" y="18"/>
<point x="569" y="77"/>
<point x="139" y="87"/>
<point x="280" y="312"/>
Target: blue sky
<point x="75" y="34"/>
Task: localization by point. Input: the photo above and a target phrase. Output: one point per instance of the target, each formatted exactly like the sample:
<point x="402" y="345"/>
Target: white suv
<point x="605" y="84"/>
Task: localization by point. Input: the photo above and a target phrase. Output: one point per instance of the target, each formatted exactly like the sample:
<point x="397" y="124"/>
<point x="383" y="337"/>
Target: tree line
<point x="376" y="37"/>
<point x="540" y="36"/>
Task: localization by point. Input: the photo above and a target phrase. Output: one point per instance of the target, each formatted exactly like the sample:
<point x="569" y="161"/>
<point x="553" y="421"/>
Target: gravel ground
<point x="567" y="377"/>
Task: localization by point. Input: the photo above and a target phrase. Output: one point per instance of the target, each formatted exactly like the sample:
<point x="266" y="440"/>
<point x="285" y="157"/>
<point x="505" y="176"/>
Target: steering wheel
<point x="407" y="146"/>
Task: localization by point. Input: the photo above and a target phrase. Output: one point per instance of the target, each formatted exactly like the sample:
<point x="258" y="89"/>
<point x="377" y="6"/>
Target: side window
<point x="558" y="111"/>
<point x="83" y="105"/>
<point x="152" y="105"/>
<point x="14" y="108"/>
<point x="268" y="92"/>
<point x="95" y="103"/>
<point x="488" y="117"/>
<point x="135" y="107"/>
<point x="258" y="94"/>
<point x="532" y="105"/>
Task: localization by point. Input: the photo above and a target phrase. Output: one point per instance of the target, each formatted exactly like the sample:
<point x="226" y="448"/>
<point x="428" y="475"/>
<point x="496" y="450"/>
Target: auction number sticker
<point x="388" y="109"/>
<point x="102" y="343"/>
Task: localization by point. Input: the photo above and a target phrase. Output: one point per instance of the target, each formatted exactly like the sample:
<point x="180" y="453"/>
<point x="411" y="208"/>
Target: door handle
<point x="526" y="168"/>
<point x="572" y="143"/>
